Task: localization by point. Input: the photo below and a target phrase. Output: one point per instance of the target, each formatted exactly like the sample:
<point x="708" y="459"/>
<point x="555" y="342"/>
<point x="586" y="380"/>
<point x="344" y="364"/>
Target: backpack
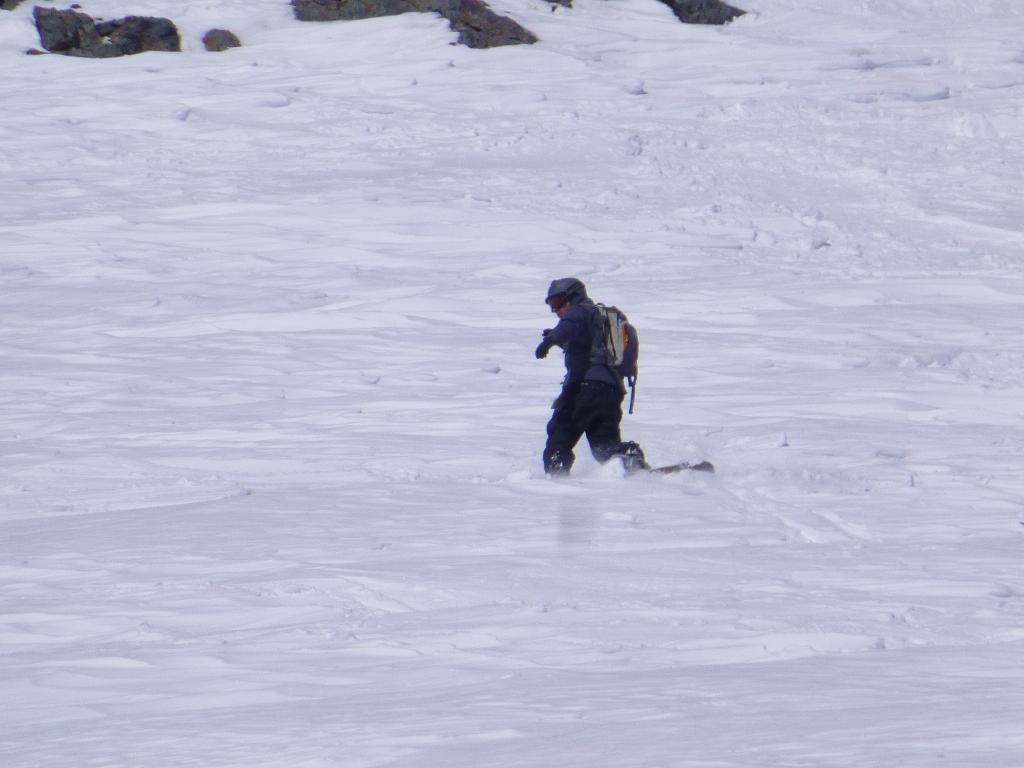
<point x="621" y="346"/>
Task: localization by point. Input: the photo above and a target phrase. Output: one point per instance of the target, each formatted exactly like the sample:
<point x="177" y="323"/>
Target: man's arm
<point x="568" y="329"/>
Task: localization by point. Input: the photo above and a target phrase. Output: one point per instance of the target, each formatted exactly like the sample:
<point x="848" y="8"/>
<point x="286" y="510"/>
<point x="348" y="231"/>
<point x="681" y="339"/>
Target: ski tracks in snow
<point x="272" y="423"/>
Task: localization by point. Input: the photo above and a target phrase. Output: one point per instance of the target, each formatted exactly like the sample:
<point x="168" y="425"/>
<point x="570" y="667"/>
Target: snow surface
<point x="271" y="492"/>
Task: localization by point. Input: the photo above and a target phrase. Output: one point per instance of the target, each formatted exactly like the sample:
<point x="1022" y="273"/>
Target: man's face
<point x="558" y="305"/>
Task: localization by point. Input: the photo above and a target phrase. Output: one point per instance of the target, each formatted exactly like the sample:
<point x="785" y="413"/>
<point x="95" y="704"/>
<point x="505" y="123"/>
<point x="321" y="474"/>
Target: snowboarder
<point x="590" y="402"/>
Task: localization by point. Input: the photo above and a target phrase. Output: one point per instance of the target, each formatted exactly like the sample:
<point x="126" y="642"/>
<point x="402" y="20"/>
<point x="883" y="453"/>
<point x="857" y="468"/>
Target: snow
<point x="271" y="422"/>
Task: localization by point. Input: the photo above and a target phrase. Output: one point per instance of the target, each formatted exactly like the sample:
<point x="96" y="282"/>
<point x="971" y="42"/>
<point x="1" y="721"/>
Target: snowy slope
<point x="271" y="491"/>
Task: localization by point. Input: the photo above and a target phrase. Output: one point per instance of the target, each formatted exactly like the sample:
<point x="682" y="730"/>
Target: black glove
<point x="545" y="346"/>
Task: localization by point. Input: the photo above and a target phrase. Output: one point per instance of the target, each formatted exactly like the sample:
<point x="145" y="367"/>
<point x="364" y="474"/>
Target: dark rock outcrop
<point x="9" y="5"/>
<point x="703" y="11"/>
<point x="478" y="26"/>
<point x="77" y="34"/>
<point x="220" y="40"/>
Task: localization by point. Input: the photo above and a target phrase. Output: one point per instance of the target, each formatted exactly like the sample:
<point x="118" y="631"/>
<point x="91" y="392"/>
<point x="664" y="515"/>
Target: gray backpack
<point x="621" y="346"/>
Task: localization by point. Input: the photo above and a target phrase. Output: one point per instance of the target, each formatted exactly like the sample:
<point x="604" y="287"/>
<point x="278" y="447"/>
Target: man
<point x="591" y="399"/>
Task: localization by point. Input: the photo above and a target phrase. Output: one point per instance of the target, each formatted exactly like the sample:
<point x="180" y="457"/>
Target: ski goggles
<point x="557" y="302"/>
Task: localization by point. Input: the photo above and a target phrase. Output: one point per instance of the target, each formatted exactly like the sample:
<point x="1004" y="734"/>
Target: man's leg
<point x="600" y="408"/>
<point x="563" y="434"/>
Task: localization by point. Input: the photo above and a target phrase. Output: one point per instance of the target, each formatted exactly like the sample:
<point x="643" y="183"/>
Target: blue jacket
<point x="578" y="333"/>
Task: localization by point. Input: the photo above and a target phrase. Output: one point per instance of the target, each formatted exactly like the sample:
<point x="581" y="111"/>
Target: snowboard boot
<point x="558" y="463"/>
<point x="633" y="459"/>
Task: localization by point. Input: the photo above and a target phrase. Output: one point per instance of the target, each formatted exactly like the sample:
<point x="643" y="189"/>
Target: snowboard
<point x="684" y="466"/>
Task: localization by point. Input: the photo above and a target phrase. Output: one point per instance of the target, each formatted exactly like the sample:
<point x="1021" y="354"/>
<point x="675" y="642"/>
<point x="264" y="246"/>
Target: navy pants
<point x="594" y="409"/>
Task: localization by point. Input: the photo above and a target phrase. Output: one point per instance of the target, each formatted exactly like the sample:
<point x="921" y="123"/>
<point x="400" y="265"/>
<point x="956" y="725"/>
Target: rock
<point x="9" y="5"/>
<point x="135" y="34"/>
<point x="348" y="10"/>
<point x="65" y="31"/>
<point x="703" y="11"/>
<point x="478" y="26"/>
<point x="77" y="34"/>
<point x="220" y="40"/>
